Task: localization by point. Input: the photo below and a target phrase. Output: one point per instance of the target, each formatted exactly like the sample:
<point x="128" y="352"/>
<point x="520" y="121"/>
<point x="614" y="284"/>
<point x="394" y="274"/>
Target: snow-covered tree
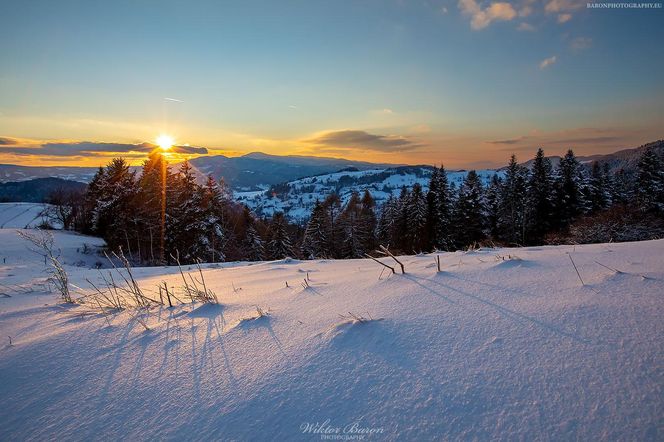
<point x="650" y="182"/>
<point x="469" y="209"/>
<point x="540" y="199"/>
<point x="315" y="242"/>
<point x="439" y="211"/>
<point x="570" y="183"/>
<point x="279" y="244"/>
<point x="416" y="224"/>
<point x="512" y="215"/>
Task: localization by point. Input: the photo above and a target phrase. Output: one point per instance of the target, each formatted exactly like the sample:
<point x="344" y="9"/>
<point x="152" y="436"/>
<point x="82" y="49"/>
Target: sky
<point x="465" y="83"/>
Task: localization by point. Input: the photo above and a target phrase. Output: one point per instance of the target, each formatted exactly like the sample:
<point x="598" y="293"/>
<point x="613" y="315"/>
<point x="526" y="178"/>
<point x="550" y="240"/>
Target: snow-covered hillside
<point x="502" y="344"/>
<point x="296" y="198"/>
<point x="22" y="215"/>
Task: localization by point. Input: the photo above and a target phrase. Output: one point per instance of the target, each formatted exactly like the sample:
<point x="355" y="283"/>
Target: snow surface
<point x="22" y="215"/>
<point x="502" y="344"/>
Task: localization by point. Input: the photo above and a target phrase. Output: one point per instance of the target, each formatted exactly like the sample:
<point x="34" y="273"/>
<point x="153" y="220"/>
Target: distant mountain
<point x="36" y="190"/>
<point x="11" y="172"/>
<point x="296" y="198"/>
<point x="252" y="171"/>
<point x="259" y="170"/>
<point x="626" y="159"/>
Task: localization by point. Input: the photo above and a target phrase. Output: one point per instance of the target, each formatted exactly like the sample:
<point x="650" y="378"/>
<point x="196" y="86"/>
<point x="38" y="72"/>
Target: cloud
<point x="564" y="18"/>
<point x="92" y="148"/>
<point x="481" y="18"/>
<point x="525" y="27"/>
<point x="547" y="62"/>
<point x="586" y="139"/>
<point x="509" y="141"/>
<point x="563" y="8"/>
<point x="6" y="141"/>
<point x="581" y="43"/>
<point x="359" y="139"/>
<point x="558" y="6"/>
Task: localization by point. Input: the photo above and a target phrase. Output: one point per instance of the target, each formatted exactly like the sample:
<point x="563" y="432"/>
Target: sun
<point x="165" y="141"/>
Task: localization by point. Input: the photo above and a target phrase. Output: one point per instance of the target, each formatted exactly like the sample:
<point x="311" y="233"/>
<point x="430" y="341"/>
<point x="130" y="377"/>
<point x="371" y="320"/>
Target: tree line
<point x="523" y="206"/>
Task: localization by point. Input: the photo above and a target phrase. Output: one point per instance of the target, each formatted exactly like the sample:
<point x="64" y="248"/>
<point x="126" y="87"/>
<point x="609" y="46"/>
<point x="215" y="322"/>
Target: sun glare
<point x="165" y="141"/>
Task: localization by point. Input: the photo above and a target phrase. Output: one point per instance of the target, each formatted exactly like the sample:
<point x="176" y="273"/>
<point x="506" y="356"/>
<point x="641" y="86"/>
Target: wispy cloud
<point x="173" y="99"/>
<point x="508" y="141"/>
<point x="564" y="18"/>
<point x="359" y="139"/>
<point x="581" y="43"/>
<point x="588" y="140"/>
<point x="6" y="141"/>
<point x="92" y="148"/>
<point x="525" y="27"/>
<point x="480" y="17"/>
<point x="547" y="62"/>
<point x="563" y="8"/>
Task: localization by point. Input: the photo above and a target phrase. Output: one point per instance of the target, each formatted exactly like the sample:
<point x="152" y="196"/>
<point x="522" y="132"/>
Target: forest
<point x="161" y="215"/>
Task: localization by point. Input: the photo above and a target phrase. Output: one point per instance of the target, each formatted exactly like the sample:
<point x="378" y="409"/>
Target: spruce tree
<point x="599" y="196"/>
<point x="650" y="182"/>
<point x="213" y="219"/>
<point x="512" y="219"/>
<point x="493" y="206"/>
<point x="368" y="221"/>
<point x="439" y="210"/>
<point x="279" y="244"/>
<point x="621" y="189"/>
<point x="315" y="241"/>
<point x="540" y="199"/>
<point x="569" y="185"/>
<point x="469" y="210"/>
<point x="388" y="212"/>
<point x="416" y="221"/>
<point x="252" y="246"/>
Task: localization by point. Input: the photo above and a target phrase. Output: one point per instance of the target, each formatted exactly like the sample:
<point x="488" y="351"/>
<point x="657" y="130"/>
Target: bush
<point x="616" y="224"/>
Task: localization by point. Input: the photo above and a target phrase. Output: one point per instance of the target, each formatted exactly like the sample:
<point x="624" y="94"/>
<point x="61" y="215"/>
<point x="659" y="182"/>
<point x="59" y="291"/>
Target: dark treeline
<point x="525" y="206"/>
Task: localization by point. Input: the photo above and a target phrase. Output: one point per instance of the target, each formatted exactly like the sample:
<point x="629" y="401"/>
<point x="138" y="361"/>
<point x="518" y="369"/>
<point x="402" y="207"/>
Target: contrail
<point x="173" y="99"/>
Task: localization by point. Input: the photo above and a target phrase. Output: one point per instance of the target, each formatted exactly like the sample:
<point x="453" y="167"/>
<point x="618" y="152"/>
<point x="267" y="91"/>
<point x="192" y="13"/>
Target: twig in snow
<point x="577" y="270"/>
<point x="381" y="263"/>
<point x="385" y="251"/>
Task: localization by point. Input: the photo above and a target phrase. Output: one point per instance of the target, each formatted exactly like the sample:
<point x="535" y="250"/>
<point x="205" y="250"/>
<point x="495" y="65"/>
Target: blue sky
<point x="466" y="82"/>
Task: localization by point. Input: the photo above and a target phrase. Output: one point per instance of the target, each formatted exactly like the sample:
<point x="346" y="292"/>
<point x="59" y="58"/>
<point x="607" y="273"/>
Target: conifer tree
<point x="388" y="214"/>
<point x="650" y="182"/>
<point x="253" y="245"/>
<point x="621" y="188"/>
<point x="368" y="221"/>
<point x="186" y="235"/>
<point x="212" y="207"/>
<point x="599" y="196"/>
<point x="315" y="242"/>
<point x="540" y="198"/>
<point x="569" y="182"/>
<point x="332" y="206"/>
<point x="512" y="219"/>
<point x="493" y="206"/>
<point x="350" y="228"/>
<point x="416" y="221"/>
<point x="279" y="244"/>
<point x="469" y="220"/>
<point x="439" y="211"/>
